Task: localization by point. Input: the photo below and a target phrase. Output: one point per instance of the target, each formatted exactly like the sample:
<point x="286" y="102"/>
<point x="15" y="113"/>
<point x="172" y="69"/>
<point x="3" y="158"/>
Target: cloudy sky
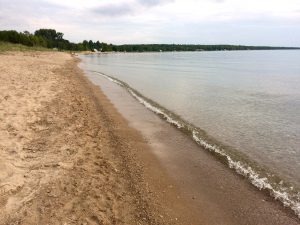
<point x="248" y="22"/>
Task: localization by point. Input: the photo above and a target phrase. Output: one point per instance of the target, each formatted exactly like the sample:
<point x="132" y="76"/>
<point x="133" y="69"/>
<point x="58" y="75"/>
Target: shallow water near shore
<point x="245" y="103"/>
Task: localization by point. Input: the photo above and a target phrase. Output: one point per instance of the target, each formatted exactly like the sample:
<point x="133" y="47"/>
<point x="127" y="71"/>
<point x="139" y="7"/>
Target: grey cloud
<point x="32" y="6"/>
<point x="123" y="9"/>
<point x="25" y="15"/>
<point x="115" y="10"/>
<point x="153" y="2"/>
<point x="22" y="10"/>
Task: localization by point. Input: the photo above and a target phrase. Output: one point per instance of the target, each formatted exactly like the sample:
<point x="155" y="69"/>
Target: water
<point x="246" y="102"/>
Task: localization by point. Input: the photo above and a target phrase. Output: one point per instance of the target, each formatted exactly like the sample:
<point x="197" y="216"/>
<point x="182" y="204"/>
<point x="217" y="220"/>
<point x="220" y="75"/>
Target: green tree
<point x="91" y="45"/>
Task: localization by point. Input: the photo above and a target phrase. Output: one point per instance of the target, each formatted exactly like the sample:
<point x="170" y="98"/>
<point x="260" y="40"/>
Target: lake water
<point x="246" y="102"/>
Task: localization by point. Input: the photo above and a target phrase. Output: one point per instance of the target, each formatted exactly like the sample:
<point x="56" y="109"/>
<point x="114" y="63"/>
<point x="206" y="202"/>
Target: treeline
<point x="49" y="38"/>
<point x="182" y="47"/>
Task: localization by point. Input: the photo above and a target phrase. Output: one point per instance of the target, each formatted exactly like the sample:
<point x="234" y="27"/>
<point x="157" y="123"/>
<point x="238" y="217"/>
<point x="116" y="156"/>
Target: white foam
<point x="255" y="179"/>
<point x="111" y="79"/>
<point x="145" y="103"/>
<point x="155" y="109"/>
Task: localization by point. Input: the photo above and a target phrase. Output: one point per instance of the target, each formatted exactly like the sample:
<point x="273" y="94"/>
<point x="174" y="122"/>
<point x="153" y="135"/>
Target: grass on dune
<point x="6" y="46"/>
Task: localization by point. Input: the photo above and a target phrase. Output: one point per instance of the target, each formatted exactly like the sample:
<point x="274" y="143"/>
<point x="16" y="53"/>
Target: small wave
<point x="255" y="179"/>
<point x="288" y="196"/>
<point x="156" y="110"/>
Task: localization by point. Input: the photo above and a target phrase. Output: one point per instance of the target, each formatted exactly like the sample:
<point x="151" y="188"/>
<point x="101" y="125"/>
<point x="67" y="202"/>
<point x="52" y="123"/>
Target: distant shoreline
<point x="124" y="52"/>
<point x="50" y="39"/>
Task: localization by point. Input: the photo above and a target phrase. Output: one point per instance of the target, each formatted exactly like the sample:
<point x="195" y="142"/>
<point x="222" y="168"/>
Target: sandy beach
<point x="67" y="156"/>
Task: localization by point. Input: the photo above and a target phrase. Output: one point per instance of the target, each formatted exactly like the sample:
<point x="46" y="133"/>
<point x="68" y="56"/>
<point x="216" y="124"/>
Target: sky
<point x="245" y="22"/>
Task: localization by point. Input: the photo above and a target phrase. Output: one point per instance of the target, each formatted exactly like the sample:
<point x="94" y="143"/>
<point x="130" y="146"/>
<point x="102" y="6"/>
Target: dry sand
<point x="67" y="156"/>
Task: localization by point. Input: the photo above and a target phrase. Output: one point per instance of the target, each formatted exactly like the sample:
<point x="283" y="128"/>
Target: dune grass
<point x="6" y="46"/>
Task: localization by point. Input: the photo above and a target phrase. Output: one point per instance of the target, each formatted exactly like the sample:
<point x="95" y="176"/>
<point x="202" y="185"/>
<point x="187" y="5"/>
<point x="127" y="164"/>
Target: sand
<point x="67" y="156"/>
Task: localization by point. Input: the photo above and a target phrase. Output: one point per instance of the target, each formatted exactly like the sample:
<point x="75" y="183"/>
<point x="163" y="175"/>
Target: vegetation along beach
<point x="149" y="112"/>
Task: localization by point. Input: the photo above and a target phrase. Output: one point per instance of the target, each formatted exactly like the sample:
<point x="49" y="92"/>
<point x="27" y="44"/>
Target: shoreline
<point x="237" y="181"/>
<point x="261" y="178"/>
<point x="153" y="52"/>
<point x="74" y="153"/>
<point x="150" y="180"/>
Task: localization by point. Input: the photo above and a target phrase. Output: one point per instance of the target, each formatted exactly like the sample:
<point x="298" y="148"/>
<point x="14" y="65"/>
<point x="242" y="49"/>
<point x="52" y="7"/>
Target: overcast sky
<point x="248" y="22"/>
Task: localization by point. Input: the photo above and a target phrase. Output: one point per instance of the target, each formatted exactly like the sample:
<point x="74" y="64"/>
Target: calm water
<point x="248" y="100"/>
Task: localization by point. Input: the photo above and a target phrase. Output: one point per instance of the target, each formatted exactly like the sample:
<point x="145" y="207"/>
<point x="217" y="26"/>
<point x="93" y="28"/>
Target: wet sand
<point x="71" y="155"/>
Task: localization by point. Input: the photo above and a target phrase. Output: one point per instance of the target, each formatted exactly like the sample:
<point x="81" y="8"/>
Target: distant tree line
<point x="49" y="38"/>
<point x="184" y="47"/>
